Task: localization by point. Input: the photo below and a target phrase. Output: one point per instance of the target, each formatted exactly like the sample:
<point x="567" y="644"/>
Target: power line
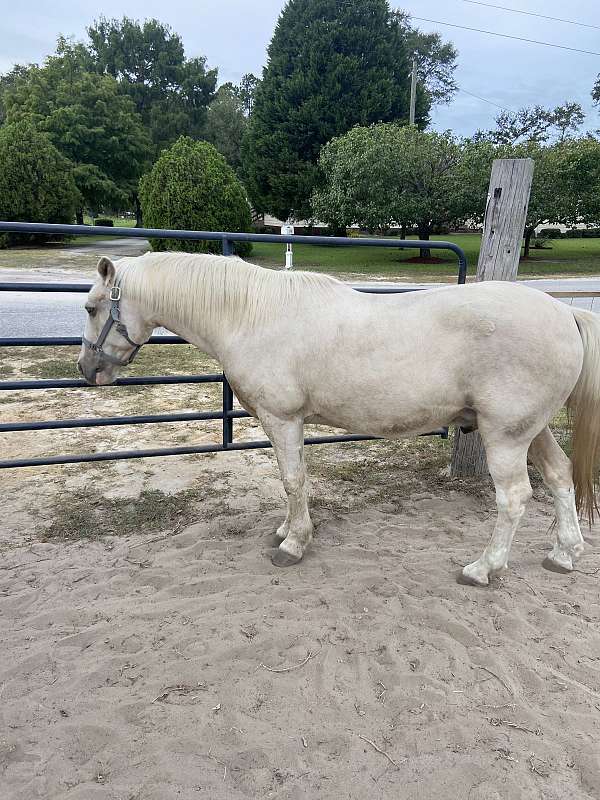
<point x="508" y="36"/>
<point x="502" y="108"/>
<point x="532" y="14"/>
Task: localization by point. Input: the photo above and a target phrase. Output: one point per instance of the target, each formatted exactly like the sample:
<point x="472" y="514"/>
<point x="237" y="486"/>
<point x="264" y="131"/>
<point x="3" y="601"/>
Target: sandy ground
<point x="149" y="650"/>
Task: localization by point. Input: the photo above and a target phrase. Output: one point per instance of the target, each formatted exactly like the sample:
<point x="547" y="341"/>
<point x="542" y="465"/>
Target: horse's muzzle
<point x="88" y="371"/>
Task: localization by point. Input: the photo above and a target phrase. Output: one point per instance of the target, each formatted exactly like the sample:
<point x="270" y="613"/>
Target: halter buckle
<point x="115" y="293"/>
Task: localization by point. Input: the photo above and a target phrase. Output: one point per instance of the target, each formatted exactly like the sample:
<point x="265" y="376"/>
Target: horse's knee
<point x="294" y="484"/>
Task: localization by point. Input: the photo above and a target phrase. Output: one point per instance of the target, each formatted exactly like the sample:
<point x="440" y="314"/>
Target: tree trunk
<point x="424" y="229"/>
<point x="79" y="216"/>
<point x="138" y="212"/>
<point x="403" y="231"/>
<point x="527" y="239"/>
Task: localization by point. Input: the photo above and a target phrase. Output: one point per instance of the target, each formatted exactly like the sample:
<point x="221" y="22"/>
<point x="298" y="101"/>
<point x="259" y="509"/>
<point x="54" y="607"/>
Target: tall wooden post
<point x="503" y="226"/>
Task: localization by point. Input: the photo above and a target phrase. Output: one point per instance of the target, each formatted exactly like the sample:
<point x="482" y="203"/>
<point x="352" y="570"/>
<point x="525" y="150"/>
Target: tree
<point x="226" y="124"/>
<point x="388" y="173"/>
<point x="191" y="186"/>
<point x="170" y="92"/>
<point x="7" y="82"/>
<point x="247" y="92"/>
<point x="36" y="181"/>
<point x="581" y="171"/>
<point x="331" y="65"/>
<point x="566" y="183"/>
<point x="596" y="91"/>
<point x="436" y="60"/>
<point x="89" y="120"/>
<point x="537" y="124"/>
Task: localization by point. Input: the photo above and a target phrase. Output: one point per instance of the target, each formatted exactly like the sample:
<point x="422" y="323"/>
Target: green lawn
<point x="565" y="257"/>
<point x="118" y="222"/>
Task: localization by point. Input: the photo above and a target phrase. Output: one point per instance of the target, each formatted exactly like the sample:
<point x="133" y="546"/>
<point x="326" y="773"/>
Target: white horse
<point x="302" y="347"/>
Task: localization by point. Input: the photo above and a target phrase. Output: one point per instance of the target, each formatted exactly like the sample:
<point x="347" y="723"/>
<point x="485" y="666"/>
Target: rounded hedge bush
<point x="36" y="181"/>
<point x="192" y="187"/>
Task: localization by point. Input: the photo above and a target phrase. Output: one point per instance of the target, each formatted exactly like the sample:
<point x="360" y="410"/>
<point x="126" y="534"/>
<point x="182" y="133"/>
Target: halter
<point x="114" y="318"/>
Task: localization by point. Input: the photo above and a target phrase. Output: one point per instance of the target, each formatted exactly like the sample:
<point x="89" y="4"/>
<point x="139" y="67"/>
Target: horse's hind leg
<point x="287" y="438"/>
<point x="507" y="462"/>
<point x="557" y="473"/>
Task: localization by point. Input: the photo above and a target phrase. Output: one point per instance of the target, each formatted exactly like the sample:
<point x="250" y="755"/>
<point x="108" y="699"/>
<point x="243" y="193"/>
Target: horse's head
<point x="114" y="330"/>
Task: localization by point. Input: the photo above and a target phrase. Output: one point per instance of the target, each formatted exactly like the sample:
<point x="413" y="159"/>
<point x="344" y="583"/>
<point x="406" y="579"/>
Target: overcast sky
<point x="234" y="34"/>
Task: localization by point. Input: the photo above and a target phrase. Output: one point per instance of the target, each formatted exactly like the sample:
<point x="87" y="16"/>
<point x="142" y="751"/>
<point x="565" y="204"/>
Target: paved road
<point x="114" y="248"/>
<point x="37" y="314"/>
<point x="44" y="314"/>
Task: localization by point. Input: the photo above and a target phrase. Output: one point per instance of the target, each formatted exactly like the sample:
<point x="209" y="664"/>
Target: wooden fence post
<point x="503" y="226"/>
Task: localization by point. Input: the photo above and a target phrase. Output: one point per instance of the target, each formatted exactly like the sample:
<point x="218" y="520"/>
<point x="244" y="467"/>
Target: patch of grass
<point x="172" y="360"/>
<point x="153" y="360"/>
<point x="567" y="257"/>
<point x="90" y="515"/>
<point x="55" y="368"/>
<point x="6" y="370"/>
<point x="118" y="222"/>
<point x="389" y="262"/>
<point x="352" y="476"/>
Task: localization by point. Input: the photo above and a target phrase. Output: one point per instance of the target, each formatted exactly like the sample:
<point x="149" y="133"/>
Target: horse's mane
<point x="200" y="289"/>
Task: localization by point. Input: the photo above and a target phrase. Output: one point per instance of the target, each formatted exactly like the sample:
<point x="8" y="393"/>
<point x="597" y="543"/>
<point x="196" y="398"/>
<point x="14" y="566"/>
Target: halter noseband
<point x="114" y="318"/>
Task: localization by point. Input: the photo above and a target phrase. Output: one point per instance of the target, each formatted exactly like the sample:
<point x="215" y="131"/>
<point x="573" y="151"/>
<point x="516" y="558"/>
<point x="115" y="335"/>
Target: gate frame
<point x="227" y="413"/>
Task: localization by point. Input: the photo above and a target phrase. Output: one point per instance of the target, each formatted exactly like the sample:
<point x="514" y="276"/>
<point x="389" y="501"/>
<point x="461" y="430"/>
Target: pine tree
<point x="332" y="64"/>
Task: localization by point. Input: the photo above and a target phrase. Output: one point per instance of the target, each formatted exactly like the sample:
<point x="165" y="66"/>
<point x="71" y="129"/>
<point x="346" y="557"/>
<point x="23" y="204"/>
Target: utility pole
<point x="413" y="92"/>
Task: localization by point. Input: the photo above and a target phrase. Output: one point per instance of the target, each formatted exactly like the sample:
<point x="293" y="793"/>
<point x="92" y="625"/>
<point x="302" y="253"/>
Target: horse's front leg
<point x="287" y="438"/>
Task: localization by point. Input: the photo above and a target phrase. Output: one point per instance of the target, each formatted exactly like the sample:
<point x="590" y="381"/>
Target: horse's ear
<point x="106" y="270"/>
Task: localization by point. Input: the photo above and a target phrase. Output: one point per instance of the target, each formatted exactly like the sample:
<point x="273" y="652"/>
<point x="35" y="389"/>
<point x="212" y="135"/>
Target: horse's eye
<point x="91" y="310"/>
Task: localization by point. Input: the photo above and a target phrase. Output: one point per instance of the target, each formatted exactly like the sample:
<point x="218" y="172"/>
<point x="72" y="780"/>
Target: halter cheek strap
<point x="114" y="318"/>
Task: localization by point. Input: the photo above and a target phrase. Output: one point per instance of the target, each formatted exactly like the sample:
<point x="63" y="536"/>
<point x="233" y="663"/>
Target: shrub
<point x="104" y="222"/>
<point x="541" y="243"/>
<point x="36" y="181"/>
<point x="550" y="233"/>
<point x="583" y="233"/>
<point x="191" y="187"/>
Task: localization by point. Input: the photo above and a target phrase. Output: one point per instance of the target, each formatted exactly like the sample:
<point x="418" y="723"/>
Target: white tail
<point x="584" y="409"/>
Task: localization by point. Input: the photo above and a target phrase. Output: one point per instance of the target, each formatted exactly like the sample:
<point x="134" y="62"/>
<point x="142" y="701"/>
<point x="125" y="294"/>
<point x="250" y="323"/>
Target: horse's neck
<point x="205" y="331"/>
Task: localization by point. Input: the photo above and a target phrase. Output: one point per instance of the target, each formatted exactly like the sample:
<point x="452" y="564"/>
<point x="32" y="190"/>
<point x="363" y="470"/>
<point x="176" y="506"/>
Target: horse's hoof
<point x="559" y="565"/>
<point x="473" y="576"/>
<point x="282" y="559"/>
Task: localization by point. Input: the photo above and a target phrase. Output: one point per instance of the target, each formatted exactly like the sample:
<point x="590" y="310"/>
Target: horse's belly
<point x="390" y="423"/>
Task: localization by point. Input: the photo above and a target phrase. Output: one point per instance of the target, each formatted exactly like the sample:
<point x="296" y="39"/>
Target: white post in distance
<point x="288" y="230"/>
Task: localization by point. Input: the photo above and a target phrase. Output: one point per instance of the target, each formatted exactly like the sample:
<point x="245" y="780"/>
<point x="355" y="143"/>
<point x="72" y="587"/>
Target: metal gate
<point x="227" y="414"/>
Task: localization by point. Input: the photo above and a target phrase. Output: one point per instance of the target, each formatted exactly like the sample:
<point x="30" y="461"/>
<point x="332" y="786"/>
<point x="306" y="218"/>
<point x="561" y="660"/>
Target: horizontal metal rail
<point x="104" y="422"/>
<point x="227" y="415"/>
<point x="227" y="238"/>
<point x="77" y="383"/>
<point x="120" y="455"/>
<point x="71" y="341"/>
<point x="83" y="288"/>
